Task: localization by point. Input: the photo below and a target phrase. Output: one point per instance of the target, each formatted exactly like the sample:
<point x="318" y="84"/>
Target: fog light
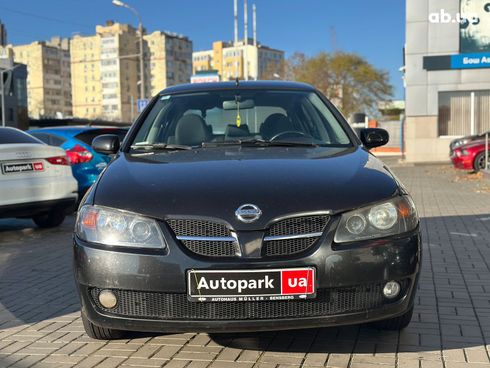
<point x="391" y="289"/>
<point x="108" y="299"/>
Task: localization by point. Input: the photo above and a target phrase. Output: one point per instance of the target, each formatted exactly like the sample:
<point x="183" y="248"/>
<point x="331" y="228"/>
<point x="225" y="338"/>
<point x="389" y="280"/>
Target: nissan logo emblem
<point x="248" y="213"/>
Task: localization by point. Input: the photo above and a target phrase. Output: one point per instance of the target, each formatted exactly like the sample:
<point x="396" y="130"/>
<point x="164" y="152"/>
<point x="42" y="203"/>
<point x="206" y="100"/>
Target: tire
<point x="395" y="324"/>
<point x="479" y="163"/>
<point x="51" y="219"/>
<point x="100" y="333"/>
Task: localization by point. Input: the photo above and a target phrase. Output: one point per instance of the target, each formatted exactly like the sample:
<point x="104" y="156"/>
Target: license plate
<point x="22" y="167"/>
<point x="251" y="285"/>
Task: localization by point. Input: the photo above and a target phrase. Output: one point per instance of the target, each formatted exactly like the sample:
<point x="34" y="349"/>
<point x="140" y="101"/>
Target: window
<point x="464" y="113"/>
<point x="11" y="135"/>
<point x="268" y="115"/>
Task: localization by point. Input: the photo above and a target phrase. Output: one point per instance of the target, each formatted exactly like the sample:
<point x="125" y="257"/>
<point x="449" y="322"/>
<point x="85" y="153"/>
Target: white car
<point x="36" y="180"/>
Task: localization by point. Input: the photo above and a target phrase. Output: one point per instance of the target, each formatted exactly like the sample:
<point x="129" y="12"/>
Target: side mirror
<point x="374" y="137"/>
<point x="107" y="144"/>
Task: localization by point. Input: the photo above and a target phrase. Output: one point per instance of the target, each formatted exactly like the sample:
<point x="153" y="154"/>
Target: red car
<point x="470" y="156"/>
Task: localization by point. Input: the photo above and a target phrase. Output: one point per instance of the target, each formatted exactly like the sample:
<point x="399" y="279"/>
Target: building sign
<point x="142" y="103"/>
<point x="470" y="61"/>
<point x="474" y="39"/>
<point x="474" y="35"/>
<point x="205" y="78"/>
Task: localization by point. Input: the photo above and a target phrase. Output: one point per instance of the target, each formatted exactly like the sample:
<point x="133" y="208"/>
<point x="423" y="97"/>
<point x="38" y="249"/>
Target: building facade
<point x="168" y="61"/>
<point x="49" y="77"/>
<point x="447" y="61"/>
<point x="105" y="73"/>
<point x="237" y="61"/>
<point x="14" y="94"/>
<point x="105" y="69"/>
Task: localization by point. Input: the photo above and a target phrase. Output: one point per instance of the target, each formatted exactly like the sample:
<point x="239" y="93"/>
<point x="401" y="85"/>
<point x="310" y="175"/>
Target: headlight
<point x="464" y="153"/>
<point x="109" y="226"/>
<point x="392" y="217"/>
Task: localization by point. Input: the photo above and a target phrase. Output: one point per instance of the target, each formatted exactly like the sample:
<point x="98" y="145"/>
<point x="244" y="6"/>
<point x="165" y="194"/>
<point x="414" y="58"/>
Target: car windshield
<point x="240" y="116"/>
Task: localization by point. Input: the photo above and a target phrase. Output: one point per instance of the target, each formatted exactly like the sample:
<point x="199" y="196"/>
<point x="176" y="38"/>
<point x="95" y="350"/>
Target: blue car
<point x="77" y="142"/>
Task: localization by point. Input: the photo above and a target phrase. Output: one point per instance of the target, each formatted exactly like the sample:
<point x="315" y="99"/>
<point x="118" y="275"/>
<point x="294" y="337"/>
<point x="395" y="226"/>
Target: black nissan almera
<point x="244" y="206"/>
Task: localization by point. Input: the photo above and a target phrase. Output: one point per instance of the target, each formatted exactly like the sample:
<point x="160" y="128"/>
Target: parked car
<point x="470" y="156"/>
<point x="35" y="179"/>
<point x="455" y="143"/>
<point x="244" y="207"/>
<point x="76" y="141"/>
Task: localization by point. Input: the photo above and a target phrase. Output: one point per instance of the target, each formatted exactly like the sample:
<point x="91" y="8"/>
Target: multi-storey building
<point x="232" y="61"/>
<point x="105" y="73"/>
<point x="49" y="80"/>
<point x="105" y="69"/>
<point x="168" y="61"/>
<point x="14" y="90"/>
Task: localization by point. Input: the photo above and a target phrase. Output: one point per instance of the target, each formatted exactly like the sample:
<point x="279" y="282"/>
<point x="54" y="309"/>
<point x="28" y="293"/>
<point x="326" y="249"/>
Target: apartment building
<point x="105" y="73"/>
<point x="237" y="60"/>
<point x="105" y="69"/>
<point x="14" y="90"/>
<point x="49" y="77"/>
<point x="168" y="61"/>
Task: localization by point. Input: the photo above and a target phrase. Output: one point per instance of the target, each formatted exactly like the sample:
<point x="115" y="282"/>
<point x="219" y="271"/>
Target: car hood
<point x="215" y="182"/>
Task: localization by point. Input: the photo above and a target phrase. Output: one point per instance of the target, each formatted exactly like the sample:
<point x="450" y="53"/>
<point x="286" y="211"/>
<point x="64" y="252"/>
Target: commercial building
<point x="232" y="60"/>
<point x="168" y="60"/>
<point x="49" y="77"/>
<point x="3" y="34"/>
<point x="105" y="69"/>
<point x="14" y="94"/>
<point x="447" y="61"/>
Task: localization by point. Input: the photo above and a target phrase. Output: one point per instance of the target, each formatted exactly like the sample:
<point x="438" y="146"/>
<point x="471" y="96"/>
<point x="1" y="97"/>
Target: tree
<point x="347" y="79"/>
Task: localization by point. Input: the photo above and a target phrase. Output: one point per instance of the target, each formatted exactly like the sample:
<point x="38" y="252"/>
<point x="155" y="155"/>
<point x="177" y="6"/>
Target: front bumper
<point x="367" y="263"/>
<point x="462" y="162"/>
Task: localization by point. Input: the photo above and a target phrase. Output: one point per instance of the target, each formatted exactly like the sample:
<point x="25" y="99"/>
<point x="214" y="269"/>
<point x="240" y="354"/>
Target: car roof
<point x="263" y="84"/>
<point x="74" y="129"/>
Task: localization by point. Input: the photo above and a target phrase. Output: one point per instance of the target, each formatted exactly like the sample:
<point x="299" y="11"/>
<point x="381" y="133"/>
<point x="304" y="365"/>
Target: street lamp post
<point x="141" y="54"/>
<point x="2" y="88"/>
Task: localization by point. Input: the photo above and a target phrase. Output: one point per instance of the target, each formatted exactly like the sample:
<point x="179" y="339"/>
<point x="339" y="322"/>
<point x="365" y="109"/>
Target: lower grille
<point x="287" y="246"/>
<point x="212" y="248"/>
<point x="166" y="306"/>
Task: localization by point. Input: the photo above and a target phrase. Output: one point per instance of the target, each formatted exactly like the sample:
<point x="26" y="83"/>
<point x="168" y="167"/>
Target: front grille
<point x="299" y="225"/>
<point x="212" y="248"/>
<point x="204" y="237"/>
<point x="190" y="227"/>
<point x="166" y="306"/>
<point x="287" y="246"/>
<point x="293" y="235"/>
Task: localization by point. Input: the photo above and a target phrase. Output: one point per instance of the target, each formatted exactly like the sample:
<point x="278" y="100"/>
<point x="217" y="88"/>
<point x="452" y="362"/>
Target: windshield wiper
<point x="160" y="147"/>
<point x="259" y="143"/>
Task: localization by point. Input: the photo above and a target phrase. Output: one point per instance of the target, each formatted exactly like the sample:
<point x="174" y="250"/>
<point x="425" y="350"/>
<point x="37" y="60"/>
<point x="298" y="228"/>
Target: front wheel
<point x="100" y="333"/>
<point x="51" y="219"/>
<point x="395" y="324"/>
<point x="479" y="163"/>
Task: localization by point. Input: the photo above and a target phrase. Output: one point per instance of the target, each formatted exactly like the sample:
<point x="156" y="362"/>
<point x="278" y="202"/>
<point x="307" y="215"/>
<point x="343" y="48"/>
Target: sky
<point x="375" y="29"/>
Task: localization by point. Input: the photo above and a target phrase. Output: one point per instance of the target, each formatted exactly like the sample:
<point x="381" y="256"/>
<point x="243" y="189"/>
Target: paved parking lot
<point x="40" y="324"/>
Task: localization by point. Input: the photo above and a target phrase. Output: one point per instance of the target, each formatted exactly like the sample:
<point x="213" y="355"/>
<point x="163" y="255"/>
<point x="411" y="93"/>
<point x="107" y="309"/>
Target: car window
<point x="88" y="136"/>
<point x="10" y="135"/>
<point x="48" y="138"/>
<point x="41" y="136"/>
<point x="194" y="118"/>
